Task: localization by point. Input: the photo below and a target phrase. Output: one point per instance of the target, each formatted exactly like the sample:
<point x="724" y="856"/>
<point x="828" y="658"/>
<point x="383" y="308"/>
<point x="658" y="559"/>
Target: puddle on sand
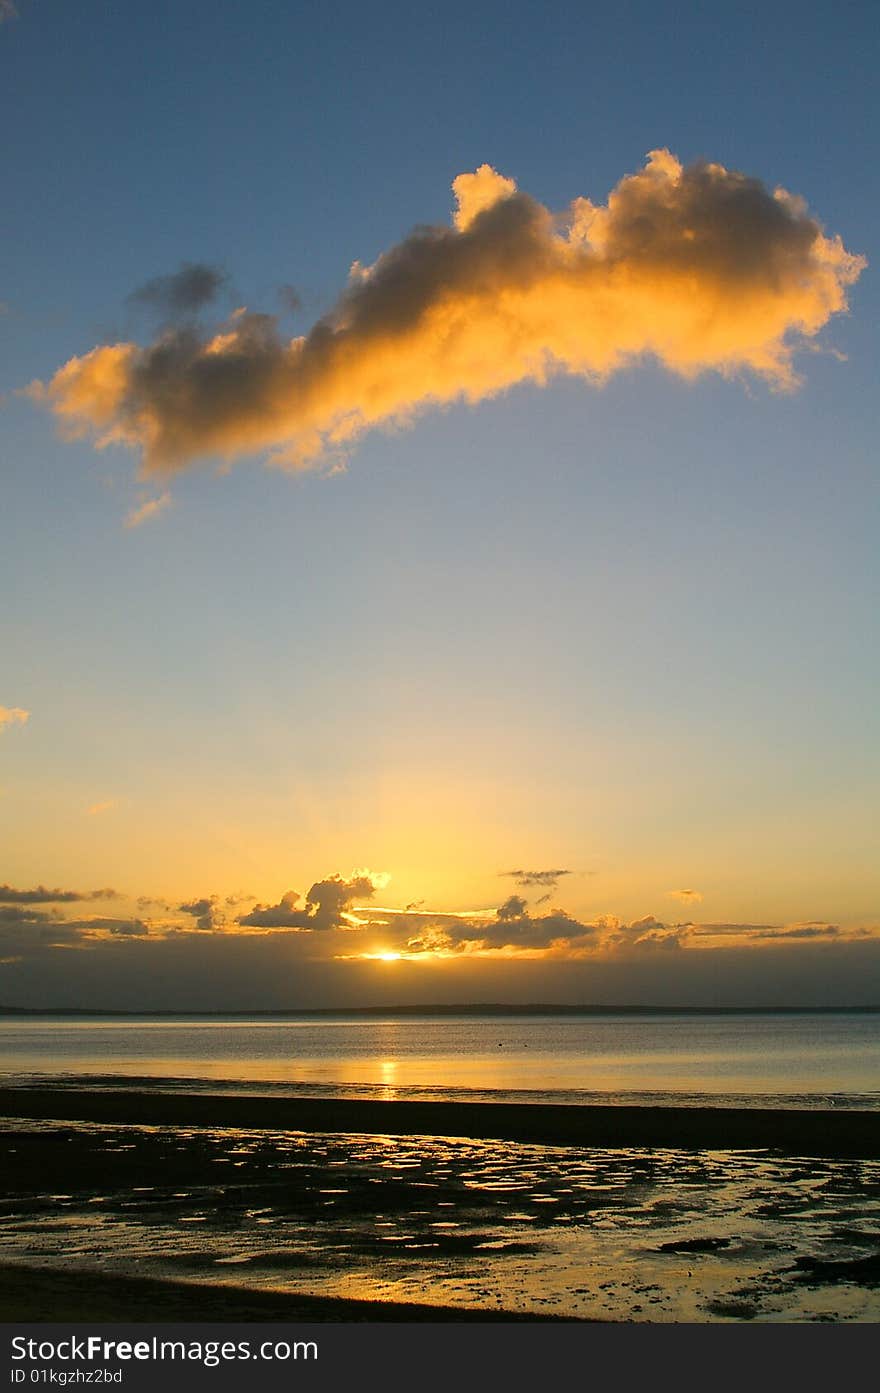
<point x="633" y="1234"/>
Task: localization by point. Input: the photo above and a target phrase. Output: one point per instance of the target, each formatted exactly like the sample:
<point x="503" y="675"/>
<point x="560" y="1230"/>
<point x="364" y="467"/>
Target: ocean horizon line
<point x="487" y="1008"/>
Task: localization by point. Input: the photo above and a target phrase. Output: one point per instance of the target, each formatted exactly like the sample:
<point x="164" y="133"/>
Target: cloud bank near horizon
<point x="338" y="948"/>
<point x="337" y="922"/>
<point x="700" y="268"/>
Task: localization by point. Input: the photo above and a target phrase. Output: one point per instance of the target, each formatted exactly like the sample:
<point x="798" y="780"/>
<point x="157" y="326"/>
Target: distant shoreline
<point x="489" y="1008"/>
<point x="794" y="1131"/>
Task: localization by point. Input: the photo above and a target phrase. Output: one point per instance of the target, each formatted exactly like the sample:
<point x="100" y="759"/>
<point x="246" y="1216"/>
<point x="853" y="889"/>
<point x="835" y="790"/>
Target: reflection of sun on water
<point x="388" y="1078"/>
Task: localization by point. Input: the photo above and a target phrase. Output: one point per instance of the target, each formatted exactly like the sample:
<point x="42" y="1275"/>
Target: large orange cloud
<point x="701" y="268"/>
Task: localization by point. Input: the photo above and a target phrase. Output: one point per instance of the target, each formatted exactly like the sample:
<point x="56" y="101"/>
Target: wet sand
<point x="42" y="1294"/>
<point x="135" y="1205"/>
<point x="795" y="1132"/>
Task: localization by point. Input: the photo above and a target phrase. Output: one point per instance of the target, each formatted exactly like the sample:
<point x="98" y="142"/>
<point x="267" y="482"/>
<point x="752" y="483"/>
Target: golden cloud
<point x="147" y="509"/>
<point x="12" y="716"/>
<point x="686" y="896"/>
<point x="700" y="268"/>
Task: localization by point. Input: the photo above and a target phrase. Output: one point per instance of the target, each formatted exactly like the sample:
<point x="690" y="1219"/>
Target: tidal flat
<point x="632" y="1233"/>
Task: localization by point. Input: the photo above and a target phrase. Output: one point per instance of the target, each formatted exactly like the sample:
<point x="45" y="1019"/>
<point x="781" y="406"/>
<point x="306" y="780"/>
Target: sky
<point x="438" y="548"/>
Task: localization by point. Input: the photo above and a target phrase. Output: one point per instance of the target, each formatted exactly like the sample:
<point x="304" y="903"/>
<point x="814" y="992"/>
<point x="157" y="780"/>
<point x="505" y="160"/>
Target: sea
<point x="794" y="1059"/>
<point x="622" y="1234"/>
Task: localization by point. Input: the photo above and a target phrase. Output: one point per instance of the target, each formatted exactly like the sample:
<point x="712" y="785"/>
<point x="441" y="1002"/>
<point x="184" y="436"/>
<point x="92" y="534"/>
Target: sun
<point x="388" y="957"/>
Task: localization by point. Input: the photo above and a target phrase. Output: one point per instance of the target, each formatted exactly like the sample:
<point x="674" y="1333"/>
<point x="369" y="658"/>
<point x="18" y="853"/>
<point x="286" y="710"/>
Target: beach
<point x="134" y="1205"/>
<point x="40" y="1294"/>
<point x="807" y="1132"/>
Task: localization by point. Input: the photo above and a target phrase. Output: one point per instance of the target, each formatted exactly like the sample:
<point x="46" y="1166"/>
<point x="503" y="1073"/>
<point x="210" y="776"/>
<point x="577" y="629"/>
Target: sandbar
<point x="804" y="1132"/>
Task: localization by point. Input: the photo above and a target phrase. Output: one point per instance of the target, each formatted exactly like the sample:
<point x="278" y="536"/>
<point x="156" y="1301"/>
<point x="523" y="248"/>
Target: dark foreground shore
<point x="41" y="1294"/>
<point x="796" y="1132"/>
<point x="139" y="1206"/>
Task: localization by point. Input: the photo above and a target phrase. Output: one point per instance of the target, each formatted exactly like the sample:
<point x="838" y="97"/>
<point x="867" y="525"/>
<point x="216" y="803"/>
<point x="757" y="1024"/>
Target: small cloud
<point x="514" y="907"/>
<point x="512" y="930"/>
<point x="327" y="904"/>
<point x="686" y="896"/>
<point x="148" y="509"/>
<point x="182" y="294"/>
<point x="13" y="715"/>
<point x="805" y="930"/>
<point x="145" y="902"/>
<point x="42" y="895"/>
<point x="124" y="928"/>
<point x="648" y="934"/>
<point x="129" y="928"/>
<point x="813" y="929"/>
<point x="15" y="914"/>
<point x="97" y="808"/>
<point x="722" y="930"/>
<point x="377" y="879"/>
<point x="283" y="915"/>
<point x="547" y="879"/>
<point x="206" y="912"/>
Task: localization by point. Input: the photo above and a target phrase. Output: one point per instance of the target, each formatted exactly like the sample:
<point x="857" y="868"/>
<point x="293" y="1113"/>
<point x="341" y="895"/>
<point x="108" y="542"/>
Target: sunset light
<point x="439" y="857"/>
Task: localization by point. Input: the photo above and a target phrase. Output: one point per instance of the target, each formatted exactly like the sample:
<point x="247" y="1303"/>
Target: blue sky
<point x="628" y="630"/>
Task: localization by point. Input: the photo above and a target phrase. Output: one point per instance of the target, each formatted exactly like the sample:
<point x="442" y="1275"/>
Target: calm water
<point x="817" y="1060"/>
